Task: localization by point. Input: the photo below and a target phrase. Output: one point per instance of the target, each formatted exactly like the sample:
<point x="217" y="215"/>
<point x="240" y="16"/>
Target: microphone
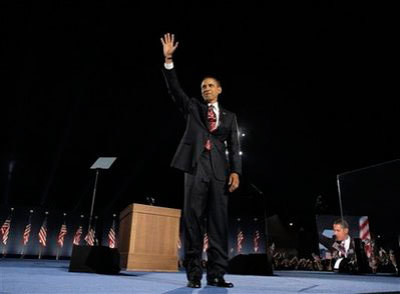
<point x="150" y="200"/>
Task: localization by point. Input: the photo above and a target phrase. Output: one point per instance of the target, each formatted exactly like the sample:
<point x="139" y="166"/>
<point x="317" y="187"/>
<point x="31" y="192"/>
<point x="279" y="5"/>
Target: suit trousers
<point x="205" y="210"/>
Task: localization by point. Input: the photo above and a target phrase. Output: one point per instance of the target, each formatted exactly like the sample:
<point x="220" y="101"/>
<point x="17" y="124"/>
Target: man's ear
<point x="346" y="230"/>
<point x="219" y="90"/>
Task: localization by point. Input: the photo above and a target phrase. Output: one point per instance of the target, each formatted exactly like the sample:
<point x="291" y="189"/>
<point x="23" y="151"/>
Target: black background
<point x="312" y="84"/>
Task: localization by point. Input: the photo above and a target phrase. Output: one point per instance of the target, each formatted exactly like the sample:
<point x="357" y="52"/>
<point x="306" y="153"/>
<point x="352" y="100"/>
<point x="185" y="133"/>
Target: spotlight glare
<point x="240" y="153"/>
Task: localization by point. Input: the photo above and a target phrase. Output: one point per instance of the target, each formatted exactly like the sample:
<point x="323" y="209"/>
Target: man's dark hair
<point x="342" y="222"/>
<point x="212" y="77"/>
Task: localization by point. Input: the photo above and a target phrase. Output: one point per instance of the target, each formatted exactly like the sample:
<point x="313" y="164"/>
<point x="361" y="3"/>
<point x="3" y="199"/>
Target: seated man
<point x="342" y="247"/>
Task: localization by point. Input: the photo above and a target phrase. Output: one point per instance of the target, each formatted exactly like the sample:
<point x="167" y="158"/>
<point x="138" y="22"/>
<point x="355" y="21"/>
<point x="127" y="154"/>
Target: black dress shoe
<point x="194" y="283"/>
<point x="219" y="282"/>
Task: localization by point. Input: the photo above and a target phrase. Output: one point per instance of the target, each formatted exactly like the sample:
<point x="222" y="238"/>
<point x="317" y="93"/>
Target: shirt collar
<point x="215" y="105"/>
<point x="346" y="240"/>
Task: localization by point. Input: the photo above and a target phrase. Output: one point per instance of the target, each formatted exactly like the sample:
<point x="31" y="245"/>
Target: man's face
<point x="210" y="90"/>
<point x="340" y="232"/>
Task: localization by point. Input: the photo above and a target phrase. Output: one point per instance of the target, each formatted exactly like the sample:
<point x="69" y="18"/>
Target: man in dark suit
<point x="209" y="155"/>
<point x="348" y="255"/>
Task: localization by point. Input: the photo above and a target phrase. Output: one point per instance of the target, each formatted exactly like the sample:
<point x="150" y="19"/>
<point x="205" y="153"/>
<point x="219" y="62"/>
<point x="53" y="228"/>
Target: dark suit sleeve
<point x="235" y="160"/>
<point x="175" y="90"/>
<point x="327" y="242"/>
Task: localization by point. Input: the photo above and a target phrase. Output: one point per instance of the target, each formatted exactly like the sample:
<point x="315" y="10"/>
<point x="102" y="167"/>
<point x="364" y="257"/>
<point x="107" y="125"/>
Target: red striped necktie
<point x="342" y="249"/>
<point x="212" y="124"/>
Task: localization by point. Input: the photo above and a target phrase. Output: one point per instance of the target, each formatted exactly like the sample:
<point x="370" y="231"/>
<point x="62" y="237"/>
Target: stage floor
<point x="50" y="276"/>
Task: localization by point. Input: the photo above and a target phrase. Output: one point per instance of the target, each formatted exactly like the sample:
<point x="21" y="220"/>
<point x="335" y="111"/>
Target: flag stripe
<point x="43" y="233"/>
<point x="256" y="241"/>
<point x="5" y="230"/>
<point x="90" y="237"/>
<point x="365" y="235"/>
<point x="239" y="241"/>
<point x="27" y="232"/>
<point x="61" y="235"/>
<point x="205" y="242"/>
<point x="77" y="236"/>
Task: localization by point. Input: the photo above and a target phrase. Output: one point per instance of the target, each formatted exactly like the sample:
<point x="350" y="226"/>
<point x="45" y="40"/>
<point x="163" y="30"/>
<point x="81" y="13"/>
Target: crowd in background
<point x="382" y="262"/>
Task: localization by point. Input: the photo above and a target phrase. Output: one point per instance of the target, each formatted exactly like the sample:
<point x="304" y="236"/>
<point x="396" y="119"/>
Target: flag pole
<point x="93" y="198"/>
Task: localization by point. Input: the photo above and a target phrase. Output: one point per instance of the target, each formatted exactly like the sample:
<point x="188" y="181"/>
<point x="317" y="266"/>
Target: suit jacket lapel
<point x="222" y="116"/>
<point x="203" y="110"/>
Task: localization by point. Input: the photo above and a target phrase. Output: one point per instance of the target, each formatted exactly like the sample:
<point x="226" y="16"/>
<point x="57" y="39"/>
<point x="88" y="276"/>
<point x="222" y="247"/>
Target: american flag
<point x="77" y="236"/>
<point x="256" y="241"/>
<point x="90" y="237"/>
<point x="239" y="241"/>
<point x="61" y="235"/>
<point x="205" y="242"/>
<point x="5" y="230"/>
<point x="112" y="242"/>
<point x="43" y="233"/>
<point x="27" y="232"/>
<point x="365" y="235"/>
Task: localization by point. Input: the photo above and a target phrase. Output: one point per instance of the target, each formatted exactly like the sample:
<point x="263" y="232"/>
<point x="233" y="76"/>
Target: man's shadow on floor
<point x="203" y="290"/>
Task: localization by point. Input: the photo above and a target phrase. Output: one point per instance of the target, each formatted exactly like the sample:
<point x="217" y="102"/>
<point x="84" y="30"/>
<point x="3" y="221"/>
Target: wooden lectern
<point x="148" y="238"/>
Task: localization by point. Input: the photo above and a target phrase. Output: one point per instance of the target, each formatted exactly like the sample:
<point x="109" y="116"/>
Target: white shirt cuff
<point x="169" y="66"/>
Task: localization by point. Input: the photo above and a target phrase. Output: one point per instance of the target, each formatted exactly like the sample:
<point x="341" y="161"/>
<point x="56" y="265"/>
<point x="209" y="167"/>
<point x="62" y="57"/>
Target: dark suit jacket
<point x="356" y="260"/>
<point x="225" y="137"/>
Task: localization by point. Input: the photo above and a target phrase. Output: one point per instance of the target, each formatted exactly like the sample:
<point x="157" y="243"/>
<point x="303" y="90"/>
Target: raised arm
<point x="327" y="242"/>
<point x="173" y="85"/>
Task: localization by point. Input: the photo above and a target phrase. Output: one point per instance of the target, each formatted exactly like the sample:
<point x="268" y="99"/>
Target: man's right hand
<point x="169" y="46"/>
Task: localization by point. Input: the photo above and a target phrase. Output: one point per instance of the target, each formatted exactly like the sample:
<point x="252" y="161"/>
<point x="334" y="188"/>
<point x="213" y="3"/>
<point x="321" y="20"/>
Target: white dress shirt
<point x="216" y="110"/>
<point x="169" y="66"/>
<point x="346" y="244"/>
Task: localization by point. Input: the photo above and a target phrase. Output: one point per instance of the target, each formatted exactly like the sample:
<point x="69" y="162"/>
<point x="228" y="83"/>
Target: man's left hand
<point x="233" y="182"/>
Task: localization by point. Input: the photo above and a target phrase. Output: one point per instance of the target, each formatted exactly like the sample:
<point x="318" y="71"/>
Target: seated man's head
<point x="210" y="89"/>
<point x="340" y="229"/>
